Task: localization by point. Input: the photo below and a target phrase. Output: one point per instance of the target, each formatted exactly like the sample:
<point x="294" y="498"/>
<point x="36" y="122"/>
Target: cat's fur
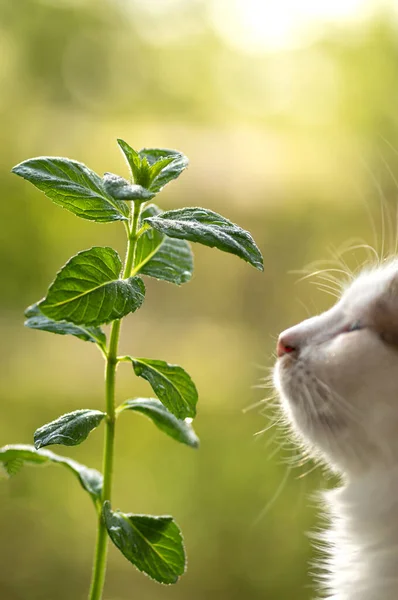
<point x="337" y="377"/>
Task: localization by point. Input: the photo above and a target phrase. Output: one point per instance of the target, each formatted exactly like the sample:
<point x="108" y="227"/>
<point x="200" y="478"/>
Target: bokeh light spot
<point x="257" y="26"/>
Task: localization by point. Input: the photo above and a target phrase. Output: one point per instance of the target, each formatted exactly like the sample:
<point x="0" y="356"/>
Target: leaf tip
<point x="16" y="169"/>
<point x="30" y="311"/>
<point x="123" y="145"/>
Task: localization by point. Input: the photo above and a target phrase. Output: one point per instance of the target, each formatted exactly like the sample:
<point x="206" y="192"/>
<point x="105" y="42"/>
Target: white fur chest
<point x="362" y="542"/>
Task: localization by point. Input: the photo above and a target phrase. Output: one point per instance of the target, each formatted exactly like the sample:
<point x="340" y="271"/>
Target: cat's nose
<point x="285" y="345"/>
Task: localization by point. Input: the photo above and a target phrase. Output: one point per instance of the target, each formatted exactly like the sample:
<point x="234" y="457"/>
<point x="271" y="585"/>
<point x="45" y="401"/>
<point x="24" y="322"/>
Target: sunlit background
<point x="288" y="113"/>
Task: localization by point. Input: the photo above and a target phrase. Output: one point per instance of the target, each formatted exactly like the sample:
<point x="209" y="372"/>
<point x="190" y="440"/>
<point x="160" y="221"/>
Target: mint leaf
<point x="90" y="479"/>
<point x="153" y="168"/>
<point x="209" y="228"/>
<point x="165" y="165"/>
<point x="160" y="256"/>
<point x="69" y="429"/>
<point x="178" y="429"/>
<point x="88" y="291"/>
<point x="152" y="544"/>
<point x="133" y="159"/>
<point x="120" y="189"/>
<point x="73" y="186"/>
<point x="172" y="385"/>
<point x="36" y="320"/>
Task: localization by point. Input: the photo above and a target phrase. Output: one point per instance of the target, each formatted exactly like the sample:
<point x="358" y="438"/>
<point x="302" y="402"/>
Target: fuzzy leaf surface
<point x="152" y="544"/>
<point x="133" y="159"/>
<point x="153" y="168"/>
<point x="179" y="429"/>
<point x="165" y="165"/>
<point x="70" y="429"/>
<point x="88" y="291"/>
<point x="162" y="257"/>
<point x="13" y="457"/>
<point x="172" y="385"/>
<point x="73" y="186"/>
<point x="121" y="189"/>
<point x="36" y="320"/>
<point x="210" y="229"/>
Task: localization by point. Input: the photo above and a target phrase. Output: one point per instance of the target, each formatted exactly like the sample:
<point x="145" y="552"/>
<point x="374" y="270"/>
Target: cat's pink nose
<point x="285" y="345"/>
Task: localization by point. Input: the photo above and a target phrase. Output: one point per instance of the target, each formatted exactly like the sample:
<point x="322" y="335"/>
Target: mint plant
<point x="93" y="289"/>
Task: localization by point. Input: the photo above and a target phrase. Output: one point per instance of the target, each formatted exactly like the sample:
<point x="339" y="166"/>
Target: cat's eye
<point x="354" y="326"/>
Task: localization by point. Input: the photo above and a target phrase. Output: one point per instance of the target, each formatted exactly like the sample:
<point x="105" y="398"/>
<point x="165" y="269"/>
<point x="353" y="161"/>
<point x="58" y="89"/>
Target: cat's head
<point x="337" y="375"/>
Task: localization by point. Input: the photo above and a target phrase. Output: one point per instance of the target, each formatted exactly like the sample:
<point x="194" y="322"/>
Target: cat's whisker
<point x="274" y="452"/>
<point x="270" y="426"/>
<point x="259" y="386"/>
<point x="376" y="185"/>
<point x="326" y="288"/>
<point x="306" y="473"/>
<point x="308" y="273"/>
<point x="331" y="279"/>
<point x="266" y="384"/>
<point x="396" y="232"/>
<point x="395" y="181"/>
<point x="273" y="499"/>
<point x="310" y="401"/>
<point x="371" y="219"/>
<point x="339" y="261"/>
<point x="372" y="252"/>
<point x="254" y="405"/>
<point x="261" y="367"/>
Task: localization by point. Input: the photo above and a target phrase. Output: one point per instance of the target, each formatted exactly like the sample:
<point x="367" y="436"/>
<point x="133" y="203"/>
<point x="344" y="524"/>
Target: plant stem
<point x="99" y="567"/>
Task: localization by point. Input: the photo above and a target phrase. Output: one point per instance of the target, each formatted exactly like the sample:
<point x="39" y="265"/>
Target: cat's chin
<point x="318" y="434"/>
<point x="326" y="435"/>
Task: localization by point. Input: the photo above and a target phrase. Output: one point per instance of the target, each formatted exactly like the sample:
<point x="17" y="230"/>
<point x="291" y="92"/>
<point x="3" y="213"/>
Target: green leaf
<point x="152" y="168"/>
<point x="132" y="158"/>
<point x="156" y="155"/>
<point x="19" y="454"/>
<point x="120" y="189"/>
<point x="36" y="320"/>
<point x="159" y="165"/>
<point x="69" y="430"/>
<point x="153" y="544"/>
<point x="208" y="228"/>
<point x="87" y="290"/>
<point x="160" y="256"/>
<point x="73" y="186"/>
<point x="172" y="385"/>
<point x="165" y="164"/>
<point x="178" y="429"/>
<point x="145" y="173"/>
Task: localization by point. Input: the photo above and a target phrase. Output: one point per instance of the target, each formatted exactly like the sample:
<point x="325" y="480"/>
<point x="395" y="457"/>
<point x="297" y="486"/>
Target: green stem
<point x="99" y="567"/>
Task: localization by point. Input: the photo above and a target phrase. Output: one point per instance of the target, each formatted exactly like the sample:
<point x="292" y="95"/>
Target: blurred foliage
<point x="299" y="148"/>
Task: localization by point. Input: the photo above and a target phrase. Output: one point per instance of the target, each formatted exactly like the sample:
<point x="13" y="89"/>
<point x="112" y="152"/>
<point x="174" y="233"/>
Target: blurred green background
<point x="288" y="113"/>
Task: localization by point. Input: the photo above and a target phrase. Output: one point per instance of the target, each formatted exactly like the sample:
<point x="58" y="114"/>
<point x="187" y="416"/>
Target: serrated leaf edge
<point x="125" y="516"/>
<point x="142" y="361"/>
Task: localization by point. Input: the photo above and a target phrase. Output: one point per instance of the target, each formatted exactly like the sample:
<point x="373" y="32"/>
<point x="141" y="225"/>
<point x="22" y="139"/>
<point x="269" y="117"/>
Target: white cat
<point x="337" y="377"/>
